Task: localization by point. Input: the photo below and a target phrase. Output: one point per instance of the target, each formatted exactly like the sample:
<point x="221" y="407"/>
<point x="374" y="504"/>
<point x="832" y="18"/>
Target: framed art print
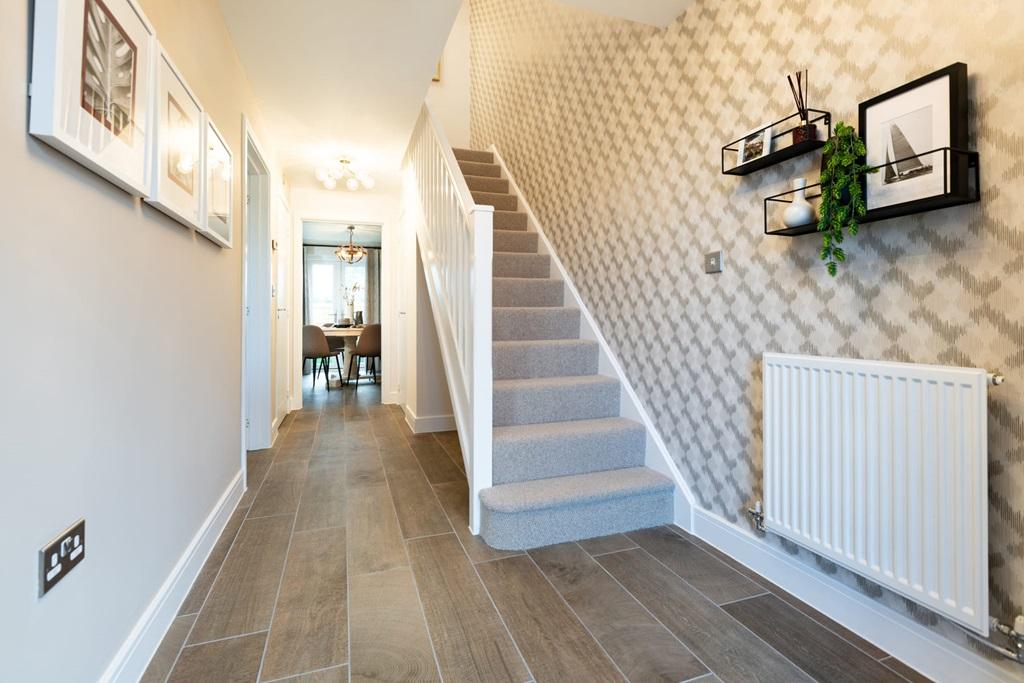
<point x="218" y="171"/>
<point x="907" y="132"/>
<point x="92" y="86"/>
<point x="177" y="147"/>
<point x="754" y="145"/>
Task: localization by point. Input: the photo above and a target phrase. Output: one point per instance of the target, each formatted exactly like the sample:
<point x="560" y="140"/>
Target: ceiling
<point x="658" y="13"/>
<point x="332" y="234"/>
<point x="336" y="77"/>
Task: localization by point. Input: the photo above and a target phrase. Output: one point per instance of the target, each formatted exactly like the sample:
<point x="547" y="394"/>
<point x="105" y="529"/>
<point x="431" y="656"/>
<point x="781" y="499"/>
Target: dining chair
<point x="316" y="348"/>
<point x="368" y="347"/>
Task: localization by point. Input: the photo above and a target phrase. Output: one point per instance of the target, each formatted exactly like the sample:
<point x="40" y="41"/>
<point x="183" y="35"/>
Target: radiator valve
<point x="757" y="514"/>
<point x="1015" y="634"/>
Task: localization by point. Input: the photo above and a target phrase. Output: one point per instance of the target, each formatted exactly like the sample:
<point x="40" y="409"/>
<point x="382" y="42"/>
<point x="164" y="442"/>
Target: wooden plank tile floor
<point x="349" y="559"/>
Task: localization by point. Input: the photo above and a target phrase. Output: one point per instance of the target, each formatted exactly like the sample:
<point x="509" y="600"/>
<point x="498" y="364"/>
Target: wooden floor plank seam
<point x="494" y="606"/>
<point x="748" y="597"/>
<point x="654" y="616"/>
<point x="577" y="617"/>
<point x="753" y="636"/>
<point x="280" y="582"/>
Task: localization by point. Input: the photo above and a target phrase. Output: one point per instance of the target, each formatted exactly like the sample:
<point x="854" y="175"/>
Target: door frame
<point x="256" y="423"/>
<point x="388" y="306"/>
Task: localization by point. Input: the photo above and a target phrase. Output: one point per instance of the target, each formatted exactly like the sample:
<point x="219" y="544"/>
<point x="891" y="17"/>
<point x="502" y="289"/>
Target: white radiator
<point x="882" y="468"/>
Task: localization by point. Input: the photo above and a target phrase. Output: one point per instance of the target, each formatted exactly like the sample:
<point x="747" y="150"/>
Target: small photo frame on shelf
<point x="218" y="172"/>
<point x="755" y="145"/>
<point x="906" y="132"/>
<point x="92" y="86"/>
<point x="177" y="149"/>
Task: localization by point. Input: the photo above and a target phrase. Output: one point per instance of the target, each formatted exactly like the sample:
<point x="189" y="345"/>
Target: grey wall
<point x="614" y="130"/>
<point x="120" y="368"/>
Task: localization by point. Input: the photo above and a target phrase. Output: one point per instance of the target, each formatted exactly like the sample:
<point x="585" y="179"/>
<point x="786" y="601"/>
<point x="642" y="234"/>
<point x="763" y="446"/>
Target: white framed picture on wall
<point x="218" y="172"/>
<point x="177" y="146"/>
<point x="92" y="86"/>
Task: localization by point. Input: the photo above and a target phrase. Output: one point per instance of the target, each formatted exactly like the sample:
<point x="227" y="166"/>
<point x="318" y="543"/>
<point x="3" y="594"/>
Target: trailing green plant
<point x="842" y="198"/>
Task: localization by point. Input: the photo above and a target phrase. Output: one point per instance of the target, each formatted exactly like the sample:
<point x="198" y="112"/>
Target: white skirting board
<point x="131" y="660"/>
<point x="921" y="648"/>
<point x="423" y="424"/>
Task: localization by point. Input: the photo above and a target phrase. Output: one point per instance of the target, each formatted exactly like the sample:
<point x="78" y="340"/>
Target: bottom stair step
<point x="536" y="513"/>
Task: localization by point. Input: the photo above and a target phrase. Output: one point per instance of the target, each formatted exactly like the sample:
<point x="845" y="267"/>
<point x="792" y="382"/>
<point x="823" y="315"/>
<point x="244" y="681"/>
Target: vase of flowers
<point x="350" y="300"/>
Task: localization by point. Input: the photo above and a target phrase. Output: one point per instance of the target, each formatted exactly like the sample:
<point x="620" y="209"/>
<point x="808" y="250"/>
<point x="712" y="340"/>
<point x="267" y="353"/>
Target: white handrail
<point x="455" y="238"/>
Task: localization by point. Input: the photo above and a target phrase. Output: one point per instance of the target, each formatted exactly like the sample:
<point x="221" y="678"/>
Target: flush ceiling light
<point x="350" y="253"/>
<point x="344" y="170"/>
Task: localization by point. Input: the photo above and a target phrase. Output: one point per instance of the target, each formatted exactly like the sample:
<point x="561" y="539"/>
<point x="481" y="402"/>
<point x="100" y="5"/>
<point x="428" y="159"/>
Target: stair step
<point x="531" y="514"/>
<point x="528" y="291"/>
<point x="556" y="449"/>
<point x="529" y="401"/>
<point x="479" y="168"/>
<point x="515" y="240"/>
<point x="509" y="220"/>
<point x="519" y="264"/>
<point x="473" y="155"/>
<point x="530" y="359"/>
<point x="485" y="184"/>
<point x="504" y="202"/>
<point x="522" y="323"/>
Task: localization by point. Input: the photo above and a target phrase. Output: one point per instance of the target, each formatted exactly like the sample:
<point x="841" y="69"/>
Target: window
<point x="322" y="288"/>
<point x="329" y="283"/>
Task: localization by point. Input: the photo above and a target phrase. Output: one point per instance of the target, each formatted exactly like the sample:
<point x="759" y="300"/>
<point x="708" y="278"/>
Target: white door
<point x="257" y="292"/>
<point x="282" y="266"/>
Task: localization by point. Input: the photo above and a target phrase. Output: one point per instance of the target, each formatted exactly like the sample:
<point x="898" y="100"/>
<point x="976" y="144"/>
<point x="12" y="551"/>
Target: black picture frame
<point x="954" y="159"/>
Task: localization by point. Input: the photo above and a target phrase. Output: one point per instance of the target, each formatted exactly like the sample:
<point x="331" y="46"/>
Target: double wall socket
<point x="60" y="556"/>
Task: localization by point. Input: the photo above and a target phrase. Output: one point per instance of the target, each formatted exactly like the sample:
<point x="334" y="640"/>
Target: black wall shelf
<point x="782" y="131"/>
<point x="961" y="173"/>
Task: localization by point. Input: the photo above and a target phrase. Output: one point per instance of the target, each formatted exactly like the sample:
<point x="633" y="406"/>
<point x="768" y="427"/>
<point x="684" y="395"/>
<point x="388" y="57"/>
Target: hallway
<point x="350" y="550"/>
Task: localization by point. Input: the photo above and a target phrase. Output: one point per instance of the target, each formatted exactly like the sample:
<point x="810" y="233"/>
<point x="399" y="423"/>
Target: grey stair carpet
<point x="502" y="202"/>
<point x="556" y="449"/>
<point x="566" y="465"/>
<point x="530" y="514"/>
<point x="527" y="291"/>
<point x="526" y="401"/>
<point x="532" y="358"/>
<point x="513" y="323"/>
<point x="485" y="184"/>
<point x="515" y="240"/>
<point x="509" y="220"/>
<point x="519" y="264"/>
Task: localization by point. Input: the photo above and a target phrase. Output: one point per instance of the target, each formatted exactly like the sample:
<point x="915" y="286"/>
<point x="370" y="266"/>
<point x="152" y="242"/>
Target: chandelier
<point x="345" y="171"/>
<point x="350" y="253"/>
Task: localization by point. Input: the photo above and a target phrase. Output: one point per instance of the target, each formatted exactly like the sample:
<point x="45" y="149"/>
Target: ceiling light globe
<point x="321" y="174"/>
<point x="352" y="184"/>
<point x="330" y="183"/>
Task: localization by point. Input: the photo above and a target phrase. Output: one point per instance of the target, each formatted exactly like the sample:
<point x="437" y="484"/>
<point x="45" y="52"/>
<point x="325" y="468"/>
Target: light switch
<point x="713" y="262"/>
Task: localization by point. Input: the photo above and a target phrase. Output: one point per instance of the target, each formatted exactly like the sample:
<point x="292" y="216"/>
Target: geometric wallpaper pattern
<point x="613" y="129"/>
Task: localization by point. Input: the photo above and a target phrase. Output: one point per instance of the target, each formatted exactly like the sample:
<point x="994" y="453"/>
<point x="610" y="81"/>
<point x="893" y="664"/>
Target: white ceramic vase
<point x="799" y="212"/>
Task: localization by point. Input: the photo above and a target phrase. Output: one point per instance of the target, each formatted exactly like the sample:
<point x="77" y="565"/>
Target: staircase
<point x="565" y="465"/>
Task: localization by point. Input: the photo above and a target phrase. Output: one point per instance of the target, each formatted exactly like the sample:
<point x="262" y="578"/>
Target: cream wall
<point x="449" y="98"/>
<point x="613" y="130"/>
<point x="120" y="370"/>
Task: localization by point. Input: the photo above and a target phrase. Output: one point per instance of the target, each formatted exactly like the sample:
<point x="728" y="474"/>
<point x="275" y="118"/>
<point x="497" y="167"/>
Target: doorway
<point x="257" y="399"/>
<point x="343" y="295"/>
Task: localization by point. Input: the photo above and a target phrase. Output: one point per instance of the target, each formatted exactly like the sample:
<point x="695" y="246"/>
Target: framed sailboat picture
<point x="910" y="133"/>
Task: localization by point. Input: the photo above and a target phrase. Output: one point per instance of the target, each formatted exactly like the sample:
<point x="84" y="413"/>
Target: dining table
<point x="342" y="331"/>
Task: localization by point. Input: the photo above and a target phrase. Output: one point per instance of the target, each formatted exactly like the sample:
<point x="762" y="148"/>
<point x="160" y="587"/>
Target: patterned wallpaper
<point x="614" y="130"/>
